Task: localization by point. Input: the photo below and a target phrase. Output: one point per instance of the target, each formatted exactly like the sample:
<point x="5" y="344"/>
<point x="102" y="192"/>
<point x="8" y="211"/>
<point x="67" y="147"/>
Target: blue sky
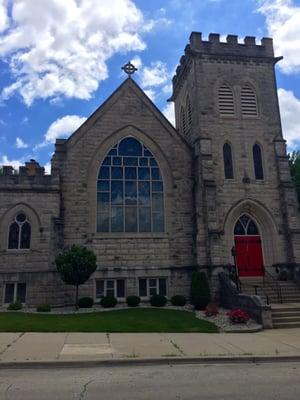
<point x="59" y="60"/>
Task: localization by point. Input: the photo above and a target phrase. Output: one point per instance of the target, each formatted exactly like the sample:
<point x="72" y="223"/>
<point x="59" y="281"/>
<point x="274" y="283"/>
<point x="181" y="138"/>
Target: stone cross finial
<point x="129" y="69"/>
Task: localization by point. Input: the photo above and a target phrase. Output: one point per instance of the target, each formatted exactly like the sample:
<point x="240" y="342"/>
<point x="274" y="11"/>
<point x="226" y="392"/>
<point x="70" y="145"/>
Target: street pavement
<point x="81" y="347"/>
<point x="274" y="381"/>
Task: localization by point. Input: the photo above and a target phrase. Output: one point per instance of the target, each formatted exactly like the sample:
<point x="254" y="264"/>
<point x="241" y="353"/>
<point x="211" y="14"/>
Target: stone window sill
<point x="129" y="235"/>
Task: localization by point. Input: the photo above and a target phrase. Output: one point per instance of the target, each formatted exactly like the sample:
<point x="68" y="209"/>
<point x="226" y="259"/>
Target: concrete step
<point x="286" y="325"/>
<point x="285" y="309"/>
<point x="284" y="320"/>
<point x="279" y="314"/>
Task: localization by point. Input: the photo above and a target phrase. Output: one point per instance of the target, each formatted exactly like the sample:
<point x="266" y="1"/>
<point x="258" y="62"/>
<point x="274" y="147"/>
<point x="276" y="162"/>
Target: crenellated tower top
<point x="231" y="50"/>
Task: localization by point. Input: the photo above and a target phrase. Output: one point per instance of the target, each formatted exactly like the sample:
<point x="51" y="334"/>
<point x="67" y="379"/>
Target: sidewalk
<point x="88" y="347"/>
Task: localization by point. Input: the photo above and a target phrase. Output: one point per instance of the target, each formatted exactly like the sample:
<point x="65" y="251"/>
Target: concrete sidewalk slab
<point x="257" y="346"/>
<point x="192" y="344"/>
<point x="105" y="347"/>
<point x="291" y="339"/>
<point x="86" y="346"/>
<point x="7" y="339"/>
<point x="133" y="345"/>
<point x="35" y="347"/>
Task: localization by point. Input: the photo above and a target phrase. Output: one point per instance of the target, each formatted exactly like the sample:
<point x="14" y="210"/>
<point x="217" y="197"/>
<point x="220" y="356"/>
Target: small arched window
<point x="258" y="164"/>
<point x="248" y="102"/>
<point x="19" y="233"/>
<point x="189" y="112"/>
<point x="245" y="226"/>
<point x="183" y="120"/>
<point x="130" y="194"/>
<point x="226" y="101"/>
<point x="228" y="164"/>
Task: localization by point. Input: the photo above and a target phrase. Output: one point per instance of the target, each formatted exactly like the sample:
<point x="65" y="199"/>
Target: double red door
<point x="249" y="257"/>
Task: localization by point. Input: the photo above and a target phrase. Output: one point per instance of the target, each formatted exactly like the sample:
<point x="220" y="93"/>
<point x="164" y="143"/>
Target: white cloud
<point x="61" y="128"/>
<point x="20" y="144"/>
<point x="15" y="163"/>
<point x="290" y="116"/>
<point x="169" y="113"/>
<point x="155" y="75"/>
<point x="61" y="48"/>
<point x="137" y="62"/>
<point x="3" y="15"/>
<point x="47" y="168"/>
<point x="151" y="94"/>
<point x="283" y="24"/>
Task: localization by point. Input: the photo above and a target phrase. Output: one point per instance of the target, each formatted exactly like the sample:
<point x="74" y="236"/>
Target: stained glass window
<point x="227" y="158"/>
<point x="258" y="165"/>
<point x="130" y="190"/>
<point x="19" y="233"/>
<point x="245" y="226"/>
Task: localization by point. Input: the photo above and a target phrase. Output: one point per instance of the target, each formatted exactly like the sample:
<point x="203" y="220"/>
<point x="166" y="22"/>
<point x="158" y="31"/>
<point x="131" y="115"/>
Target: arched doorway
<point x="249" y="257"/>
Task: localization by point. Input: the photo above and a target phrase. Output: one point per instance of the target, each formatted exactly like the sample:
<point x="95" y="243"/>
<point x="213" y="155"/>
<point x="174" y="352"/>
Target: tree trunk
<point x="76" y="299"/>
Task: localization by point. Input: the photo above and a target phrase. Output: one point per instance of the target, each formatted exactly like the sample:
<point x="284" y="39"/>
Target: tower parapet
<point x="232" y="50"/>
<point x="231" y="47"/>
<point x="29" y="176"/>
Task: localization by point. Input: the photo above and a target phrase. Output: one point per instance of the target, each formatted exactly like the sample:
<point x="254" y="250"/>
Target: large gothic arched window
<point x="130" y="190"/>
<point x="19" y="233"/>
<point x="258" y="163"/>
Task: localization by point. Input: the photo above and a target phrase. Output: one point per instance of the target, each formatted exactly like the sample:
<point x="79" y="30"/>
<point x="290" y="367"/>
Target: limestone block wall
<point x="127" y="112"/>
<point x="38" y="197"/>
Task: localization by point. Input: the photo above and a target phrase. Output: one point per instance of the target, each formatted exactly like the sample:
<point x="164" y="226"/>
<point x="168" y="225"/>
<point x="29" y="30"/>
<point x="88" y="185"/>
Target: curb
<point x="119" y="362"/>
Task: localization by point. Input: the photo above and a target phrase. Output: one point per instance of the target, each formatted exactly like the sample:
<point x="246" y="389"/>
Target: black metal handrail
<point x="273" y="283"/>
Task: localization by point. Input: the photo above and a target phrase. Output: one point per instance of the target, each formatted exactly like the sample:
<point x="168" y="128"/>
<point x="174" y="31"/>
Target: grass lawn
<point x="128" y="320"/>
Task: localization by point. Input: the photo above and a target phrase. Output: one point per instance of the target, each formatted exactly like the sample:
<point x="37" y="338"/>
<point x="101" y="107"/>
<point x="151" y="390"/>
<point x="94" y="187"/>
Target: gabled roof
<point x="128" y="84"/>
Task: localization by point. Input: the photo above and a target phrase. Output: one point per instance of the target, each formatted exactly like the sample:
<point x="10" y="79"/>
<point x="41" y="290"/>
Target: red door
<point x="249" y="258"/>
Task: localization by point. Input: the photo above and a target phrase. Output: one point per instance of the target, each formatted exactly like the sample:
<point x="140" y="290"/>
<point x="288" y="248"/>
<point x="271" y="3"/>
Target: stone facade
<point x="201" y="206"/>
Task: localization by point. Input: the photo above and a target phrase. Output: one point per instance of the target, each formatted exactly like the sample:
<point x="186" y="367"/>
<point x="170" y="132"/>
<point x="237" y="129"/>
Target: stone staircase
<point x="283" y="296"/>
<point x="286" y="315"/>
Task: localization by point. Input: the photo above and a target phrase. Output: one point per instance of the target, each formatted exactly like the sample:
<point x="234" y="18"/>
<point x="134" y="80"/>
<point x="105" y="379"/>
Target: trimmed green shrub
<point x="157" y="300"/>
<point x="15" y="306"/>
<point x="108" y="301"/>
<point x="44" y="307"/>
<point x="200" y="291"/>
<point x="133" y="301"/>
<point x="178" y="300"/>
<point x="85" y="302"/>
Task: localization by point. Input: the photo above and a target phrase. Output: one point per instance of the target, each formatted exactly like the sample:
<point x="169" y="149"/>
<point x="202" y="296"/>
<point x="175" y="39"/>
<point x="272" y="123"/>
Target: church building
<point x="156" y="202"/>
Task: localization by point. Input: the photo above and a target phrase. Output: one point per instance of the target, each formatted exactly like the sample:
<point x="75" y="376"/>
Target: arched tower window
<point x="189" y="112"/>
<point x="228" y="164"/>
<point x="257" y="160"/>
<point x="226" y="101"/>
<point x="130" y="194"/>
<point x="245" y="226"/>
<point x="248" y="102"/>
<point x="183" y="120"/>
<point x="19" y="233"/>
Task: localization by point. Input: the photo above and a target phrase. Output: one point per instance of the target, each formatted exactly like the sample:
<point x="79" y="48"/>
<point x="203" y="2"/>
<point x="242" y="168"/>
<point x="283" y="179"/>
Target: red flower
<point x="238" y="316"/>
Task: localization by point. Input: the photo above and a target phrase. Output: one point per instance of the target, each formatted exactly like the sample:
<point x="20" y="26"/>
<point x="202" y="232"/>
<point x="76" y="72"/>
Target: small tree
<point x="200" y="292"/>
<point x="75" y="266"/>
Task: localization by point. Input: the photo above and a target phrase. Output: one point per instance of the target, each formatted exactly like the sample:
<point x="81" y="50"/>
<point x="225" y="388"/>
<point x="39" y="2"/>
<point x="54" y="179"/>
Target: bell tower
<point x="226" y="107"/>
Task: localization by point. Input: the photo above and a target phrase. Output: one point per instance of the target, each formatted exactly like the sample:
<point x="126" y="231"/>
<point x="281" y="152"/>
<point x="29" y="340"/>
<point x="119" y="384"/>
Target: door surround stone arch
<point x="266" y="226"/>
